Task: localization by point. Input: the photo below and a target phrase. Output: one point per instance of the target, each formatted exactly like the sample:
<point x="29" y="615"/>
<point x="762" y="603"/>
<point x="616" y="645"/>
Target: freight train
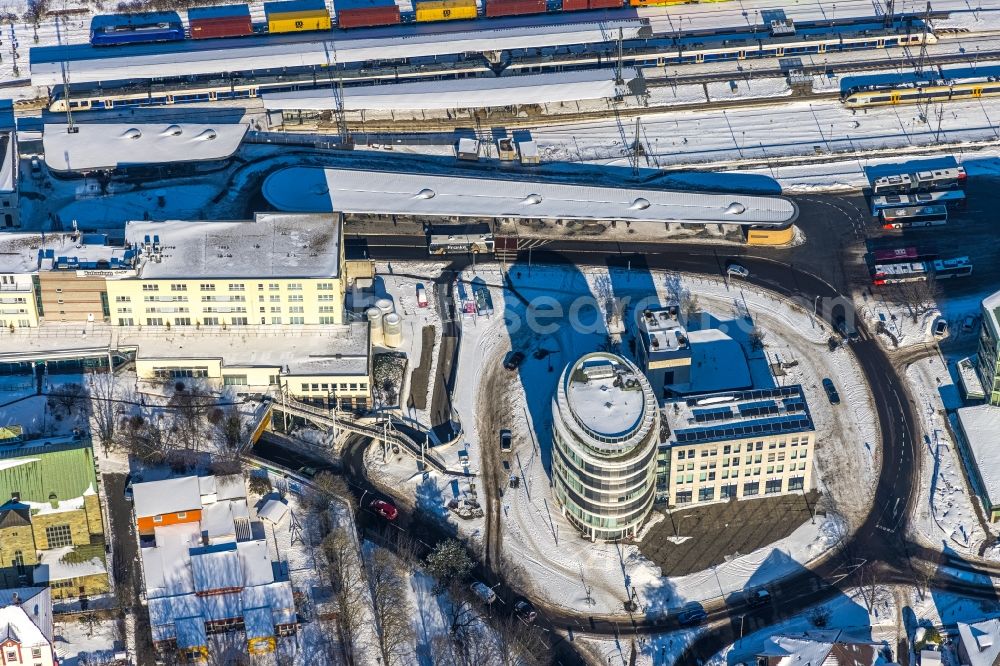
<point x="307" y="15"/>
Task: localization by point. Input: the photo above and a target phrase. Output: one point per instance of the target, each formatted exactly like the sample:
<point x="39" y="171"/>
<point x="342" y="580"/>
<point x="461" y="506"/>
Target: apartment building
<point x="989" y="349"/>
<point x="736" y="445"/>
<point x="276" y="270"/>
<point x="204" y="570"/>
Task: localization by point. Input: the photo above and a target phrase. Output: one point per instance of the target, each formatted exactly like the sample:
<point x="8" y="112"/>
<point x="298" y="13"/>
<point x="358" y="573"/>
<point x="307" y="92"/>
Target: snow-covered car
<point x="421" y="295"/>
<point x="484" y="592"/>
<point x="384" y="509"/>
<point x="940" y="328"/>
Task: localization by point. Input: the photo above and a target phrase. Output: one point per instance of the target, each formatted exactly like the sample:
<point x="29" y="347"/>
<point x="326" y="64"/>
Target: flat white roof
<point x="981" y="641"/>
<point x="472" y="93"/>
<point x="8" y="161"/>
<point x="396" y="193"/>
<point x="99" y="146"/>
<point x="271" y="245"/>
<point x="596" y="393"/>
<point x="991" y="306"/>
<point x="981" y="427"/>
<point x="87" y="64"/>
<point x="156" y="498"/>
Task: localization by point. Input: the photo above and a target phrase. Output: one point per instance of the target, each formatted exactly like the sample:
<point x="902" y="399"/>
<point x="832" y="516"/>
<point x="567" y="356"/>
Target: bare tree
<point x="346" y="582"/>
<point x="391" y="607"/>
<point x="757" y="336"/>
<point x="227" y="649"/>
<point x="104" y="405"/>
<point x="68" y="397"/>
<point x="516" y="644"/>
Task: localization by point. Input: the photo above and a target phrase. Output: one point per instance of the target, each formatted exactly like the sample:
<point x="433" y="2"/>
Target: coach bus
<point x="950" y="198"/>
<point x="921" y="181"/>
<point x="914" y="216"/>
<point x="473" y="239"/>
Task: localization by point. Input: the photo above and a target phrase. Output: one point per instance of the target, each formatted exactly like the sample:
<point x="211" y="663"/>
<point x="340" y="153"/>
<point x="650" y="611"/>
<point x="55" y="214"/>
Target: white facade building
<point x="9" y="168"/>
<point x="26" y="627"/>
<point x="605" y="430"/>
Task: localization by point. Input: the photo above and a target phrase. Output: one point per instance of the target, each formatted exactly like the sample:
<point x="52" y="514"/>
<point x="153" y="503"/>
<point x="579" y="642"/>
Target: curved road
<point x="878" y="545"/>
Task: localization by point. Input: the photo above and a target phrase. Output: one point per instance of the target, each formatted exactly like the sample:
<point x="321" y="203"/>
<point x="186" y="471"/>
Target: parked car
<point x="736" y="270"/>
<point x="941" y="328"/>
<point x="692" y="615"/>
<point x="384" y="509"/>
<point x="36" y="167"/>
<point x="421" y="295"/>
<point x="759" y="597"/>
<point x="308" y="472"/>
<point x="831" y="391"/>
<point x="525" y="612"/>
<point x="505" y="440"/>
<point x="128" y="487"/>
<point x="513" y="360"/>
<point x="484" y="592"/>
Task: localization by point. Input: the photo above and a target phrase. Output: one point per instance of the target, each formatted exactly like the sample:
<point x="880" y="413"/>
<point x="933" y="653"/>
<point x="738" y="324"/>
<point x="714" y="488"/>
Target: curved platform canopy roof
<point x="87" y="64"/>
<point x="425" y="195"/>
<point x="98" y="146"/>
<point x="474" y="93"/>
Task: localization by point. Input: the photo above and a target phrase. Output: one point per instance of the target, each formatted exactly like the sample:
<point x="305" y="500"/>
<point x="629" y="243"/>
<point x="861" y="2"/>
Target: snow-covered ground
<point x="945" y="513"/>
<point x="548" y="550"/>
<point x="81" y="643"/>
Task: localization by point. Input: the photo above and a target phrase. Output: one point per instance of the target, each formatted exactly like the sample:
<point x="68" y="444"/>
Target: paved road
<point x="125" y="570"/>
<point x="879" y="540"/>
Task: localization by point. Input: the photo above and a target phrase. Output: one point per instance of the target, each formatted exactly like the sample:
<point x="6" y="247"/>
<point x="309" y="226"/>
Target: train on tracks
<point x="313" y="15"/>
<point x="177" y="73"/>
<point x="871" y="96"/>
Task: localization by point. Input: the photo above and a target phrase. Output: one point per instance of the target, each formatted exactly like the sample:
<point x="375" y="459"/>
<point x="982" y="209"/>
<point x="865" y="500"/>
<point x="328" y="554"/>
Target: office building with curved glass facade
<point x="605" y="431"/>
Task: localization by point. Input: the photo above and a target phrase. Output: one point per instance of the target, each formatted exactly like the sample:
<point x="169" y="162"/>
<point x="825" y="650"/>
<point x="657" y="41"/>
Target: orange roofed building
<point x="167" y="502"/>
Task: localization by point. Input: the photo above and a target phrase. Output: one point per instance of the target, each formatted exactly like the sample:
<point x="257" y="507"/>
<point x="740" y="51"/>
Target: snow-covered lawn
<point x="79" y="643"/>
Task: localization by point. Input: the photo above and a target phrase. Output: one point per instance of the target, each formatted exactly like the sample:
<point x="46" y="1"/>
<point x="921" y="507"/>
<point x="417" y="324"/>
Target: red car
<point x="384" y="509"/>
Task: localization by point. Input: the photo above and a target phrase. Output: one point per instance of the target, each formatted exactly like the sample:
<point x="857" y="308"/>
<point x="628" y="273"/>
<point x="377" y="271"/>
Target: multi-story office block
<point x="989" y="349"/>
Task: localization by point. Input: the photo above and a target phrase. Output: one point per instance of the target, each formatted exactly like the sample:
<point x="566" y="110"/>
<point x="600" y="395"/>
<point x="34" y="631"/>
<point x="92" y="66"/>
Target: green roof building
<point x="41" y="470"/>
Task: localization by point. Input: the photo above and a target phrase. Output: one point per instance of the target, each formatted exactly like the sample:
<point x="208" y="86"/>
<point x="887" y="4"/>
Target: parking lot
<point x="723" y="530"/>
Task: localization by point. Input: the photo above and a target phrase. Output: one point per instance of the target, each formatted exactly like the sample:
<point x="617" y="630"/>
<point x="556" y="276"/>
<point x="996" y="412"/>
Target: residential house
<point x="834" y="647"/>
<point x="204" y="570"/>
<point x="26" y="636"/>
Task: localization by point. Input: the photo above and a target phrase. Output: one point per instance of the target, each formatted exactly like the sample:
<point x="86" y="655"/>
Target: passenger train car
<point x="944" y="92"/>
<point x="362" y="60"/>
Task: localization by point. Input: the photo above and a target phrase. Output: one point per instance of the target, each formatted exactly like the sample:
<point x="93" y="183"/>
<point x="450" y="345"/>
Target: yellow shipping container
<point x="445" y="10"/>
<point x="298" y="21"/>
<point x="659" y="3"/>
<point x="771" y="236"/>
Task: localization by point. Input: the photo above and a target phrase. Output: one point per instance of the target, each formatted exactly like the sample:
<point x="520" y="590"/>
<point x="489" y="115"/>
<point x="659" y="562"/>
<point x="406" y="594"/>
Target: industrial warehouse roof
<point x="981" y="427"/>
<point x="272" y="245"/>
<point x="393" y="193"/>
<point x="473" y="93"/>
<point x="88" y="64"/>
<point x="97" y="146"/>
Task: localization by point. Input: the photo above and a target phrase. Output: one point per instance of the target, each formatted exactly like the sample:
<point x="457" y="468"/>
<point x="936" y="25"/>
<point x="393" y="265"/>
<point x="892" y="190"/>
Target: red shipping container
<point x="605" y="4"/>
<point x="236" y="26"/>
<point x="368" y="16"/>
<point x="514" y="7"/>
<point x="574" y="5"/>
